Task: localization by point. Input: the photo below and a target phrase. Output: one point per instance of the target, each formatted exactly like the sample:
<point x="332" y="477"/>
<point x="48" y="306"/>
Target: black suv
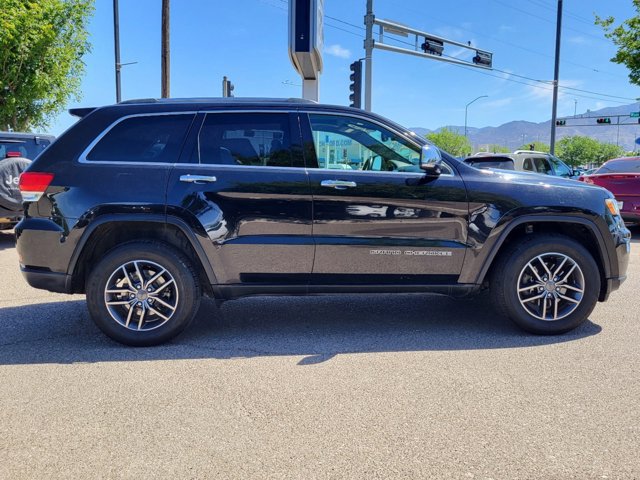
<point x="147" y="205"/>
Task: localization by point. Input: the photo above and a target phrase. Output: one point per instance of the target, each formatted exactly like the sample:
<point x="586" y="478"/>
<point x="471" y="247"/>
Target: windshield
<point x="21" y="147"/>
<point x="620" y="166"/>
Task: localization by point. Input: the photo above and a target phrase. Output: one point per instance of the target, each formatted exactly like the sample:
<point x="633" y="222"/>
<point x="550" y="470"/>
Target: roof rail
<point x="217" y="100"/>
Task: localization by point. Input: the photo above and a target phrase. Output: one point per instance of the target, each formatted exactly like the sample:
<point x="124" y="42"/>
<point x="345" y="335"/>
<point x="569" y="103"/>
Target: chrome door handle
<point x="338" y="184"/>
<point x="197" y="179"/>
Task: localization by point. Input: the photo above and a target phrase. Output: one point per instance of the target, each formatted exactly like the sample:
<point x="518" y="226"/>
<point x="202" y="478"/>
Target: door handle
<point x="338" y="184"/>
<point x="197" y="178"/>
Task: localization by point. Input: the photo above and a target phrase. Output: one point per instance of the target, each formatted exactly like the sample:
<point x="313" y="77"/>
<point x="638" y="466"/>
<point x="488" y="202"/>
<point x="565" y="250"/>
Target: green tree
<point x="451" y="142"/>
<point x="626" y="37"/>
<point x="578" y="150"/>
<point x="537" y="146"/>
<point x="41" y="48"/>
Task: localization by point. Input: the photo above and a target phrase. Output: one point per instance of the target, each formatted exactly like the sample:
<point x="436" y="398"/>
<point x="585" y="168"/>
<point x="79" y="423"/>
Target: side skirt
<point x="228" y="292"/>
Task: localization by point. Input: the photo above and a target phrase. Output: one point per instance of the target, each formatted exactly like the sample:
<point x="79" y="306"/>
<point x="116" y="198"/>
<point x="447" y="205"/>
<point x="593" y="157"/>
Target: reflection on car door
<point x="377" y="218"/>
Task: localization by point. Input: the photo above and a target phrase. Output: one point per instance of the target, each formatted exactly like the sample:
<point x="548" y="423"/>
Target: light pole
<point x="465" y="111"/>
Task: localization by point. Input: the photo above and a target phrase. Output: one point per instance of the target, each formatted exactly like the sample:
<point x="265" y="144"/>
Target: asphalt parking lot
<point x="384" y="386"/>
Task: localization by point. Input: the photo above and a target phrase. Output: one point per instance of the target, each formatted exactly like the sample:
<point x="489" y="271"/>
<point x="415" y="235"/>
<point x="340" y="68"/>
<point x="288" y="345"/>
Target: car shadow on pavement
<point x="317" y="328"/>
<point x="7" y="239"/>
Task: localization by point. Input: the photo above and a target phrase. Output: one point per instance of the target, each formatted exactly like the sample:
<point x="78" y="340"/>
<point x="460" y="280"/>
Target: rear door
<point x="377" y="218"/>
<point x="244" y="188"/>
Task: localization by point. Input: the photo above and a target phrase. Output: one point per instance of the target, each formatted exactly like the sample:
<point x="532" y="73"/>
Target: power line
<point x="547" y="20"/>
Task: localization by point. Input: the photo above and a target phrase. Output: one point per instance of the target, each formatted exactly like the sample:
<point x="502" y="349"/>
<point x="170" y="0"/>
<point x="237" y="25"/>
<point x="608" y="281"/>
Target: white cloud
<point x="337" y="51"/>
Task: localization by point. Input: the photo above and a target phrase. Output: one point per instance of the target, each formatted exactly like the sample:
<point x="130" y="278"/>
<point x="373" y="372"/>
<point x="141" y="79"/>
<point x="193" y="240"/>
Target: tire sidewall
<point x="591" y="288"/>
<point x="177" y="265"/>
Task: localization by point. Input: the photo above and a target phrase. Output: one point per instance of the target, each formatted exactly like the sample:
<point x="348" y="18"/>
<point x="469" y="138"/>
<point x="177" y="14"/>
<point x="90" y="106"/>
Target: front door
<point x="245" y="188"/>
<point x="377" y="218"/>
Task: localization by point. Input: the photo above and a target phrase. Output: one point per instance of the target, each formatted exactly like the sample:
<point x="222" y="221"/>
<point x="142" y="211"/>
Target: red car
<point x="621" y="176"/>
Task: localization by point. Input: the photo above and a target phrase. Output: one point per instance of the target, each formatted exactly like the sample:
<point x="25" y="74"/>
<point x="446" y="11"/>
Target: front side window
<point x="143" y="139"/>
<point x="561" y="169"/>
<point x="251" y="139"/>
<point x="348" y="143"/>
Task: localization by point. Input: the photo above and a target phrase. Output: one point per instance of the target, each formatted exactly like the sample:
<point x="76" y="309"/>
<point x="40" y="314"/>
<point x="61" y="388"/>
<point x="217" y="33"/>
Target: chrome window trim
<point x="385" y="126"/>
<point x="83" y="156"/>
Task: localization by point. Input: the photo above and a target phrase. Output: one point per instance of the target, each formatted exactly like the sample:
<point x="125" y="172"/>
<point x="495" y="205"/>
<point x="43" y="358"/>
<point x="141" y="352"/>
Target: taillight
<point x="13" y="154"/>
<point x="588" y="180"/>
<point x="33" y="185"/>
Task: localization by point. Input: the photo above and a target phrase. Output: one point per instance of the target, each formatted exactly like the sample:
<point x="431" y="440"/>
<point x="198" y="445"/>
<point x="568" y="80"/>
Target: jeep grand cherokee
<point x="147" y="205"/>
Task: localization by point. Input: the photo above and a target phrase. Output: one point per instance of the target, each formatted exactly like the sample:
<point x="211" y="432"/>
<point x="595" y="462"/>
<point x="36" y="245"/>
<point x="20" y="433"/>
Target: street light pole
<point x="465" y="111"/>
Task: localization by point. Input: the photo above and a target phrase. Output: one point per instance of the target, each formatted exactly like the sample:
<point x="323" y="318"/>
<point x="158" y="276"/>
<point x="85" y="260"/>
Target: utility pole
<point x="166" y="54"/>
<point x="116" y="43"/>
<point x="368" y="49"/>
<point x="556" y="75"/>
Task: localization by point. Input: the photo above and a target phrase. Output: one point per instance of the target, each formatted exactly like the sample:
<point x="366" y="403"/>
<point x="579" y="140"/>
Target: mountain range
<point x="520" y="132"/>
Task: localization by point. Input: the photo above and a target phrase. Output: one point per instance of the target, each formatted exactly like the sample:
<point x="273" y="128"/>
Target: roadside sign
<point x="634" y="114"/>
<point x="638" y="140"/>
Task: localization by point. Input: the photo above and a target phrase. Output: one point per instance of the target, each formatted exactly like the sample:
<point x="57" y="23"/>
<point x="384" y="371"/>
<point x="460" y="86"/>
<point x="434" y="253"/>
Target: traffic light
<point x="561" y="123"/>
<point x="432" y="46"/>
<point x="355" y="87"/>
<point x="484" y="59"/>
<point x="603" y="120"/>
<point x="227" y="87"/>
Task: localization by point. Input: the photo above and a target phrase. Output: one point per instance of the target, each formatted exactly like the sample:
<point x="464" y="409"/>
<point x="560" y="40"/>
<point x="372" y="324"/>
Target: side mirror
<point x="430" y="161"/>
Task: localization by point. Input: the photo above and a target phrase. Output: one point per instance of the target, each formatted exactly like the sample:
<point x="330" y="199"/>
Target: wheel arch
<point x="582" y="230"/>
<point x="107" y="231"/>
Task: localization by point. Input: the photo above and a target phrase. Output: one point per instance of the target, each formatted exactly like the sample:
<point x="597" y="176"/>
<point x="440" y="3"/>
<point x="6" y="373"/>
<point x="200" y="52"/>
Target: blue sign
<point x="638" y="140"/>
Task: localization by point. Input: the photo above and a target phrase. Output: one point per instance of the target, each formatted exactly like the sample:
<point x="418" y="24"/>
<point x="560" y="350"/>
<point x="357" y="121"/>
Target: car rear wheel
<point x="547" y="284"/>
<point x="143" y="293"/>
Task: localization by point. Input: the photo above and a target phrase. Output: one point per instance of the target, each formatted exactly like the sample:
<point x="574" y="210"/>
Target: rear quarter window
<point x="143" y="139"/>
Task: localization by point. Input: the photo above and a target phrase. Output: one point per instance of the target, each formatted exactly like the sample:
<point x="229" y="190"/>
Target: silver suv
<point x="524" y="161"/>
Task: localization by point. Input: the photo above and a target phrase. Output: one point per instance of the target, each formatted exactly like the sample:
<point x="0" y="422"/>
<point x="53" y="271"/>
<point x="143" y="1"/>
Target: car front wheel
<point x="143" y="293"/>
<point x="547" y="284"/>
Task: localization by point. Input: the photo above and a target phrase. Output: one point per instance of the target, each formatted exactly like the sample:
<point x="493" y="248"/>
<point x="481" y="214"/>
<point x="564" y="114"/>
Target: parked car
<point x="621" y="176"/>
<point x="146" y="205"/>
<point x="523" y="160"/>
<point x="16" y="152"/>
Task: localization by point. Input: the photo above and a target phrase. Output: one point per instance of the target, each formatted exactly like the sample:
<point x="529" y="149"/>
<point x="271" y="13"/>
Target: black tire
<point x="169" y="308"/>
<point x="511" y="272"/>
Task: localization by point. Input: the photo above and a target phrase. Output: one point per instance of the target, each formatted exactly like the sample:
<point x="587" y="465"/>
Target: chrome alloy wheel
<point x="551" y="286"/>
<point x="141" y="295"/>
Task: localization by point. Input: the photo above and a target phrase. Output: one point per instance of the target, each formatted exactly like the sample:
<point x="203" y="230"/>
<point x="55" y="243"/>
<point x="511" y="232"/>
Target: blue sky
<point x="247" y="41"/>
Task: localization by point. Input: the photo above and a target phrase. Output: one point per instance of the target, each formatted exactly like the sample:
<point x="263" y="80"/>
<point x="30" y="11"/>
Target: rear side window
<point x="250" y="139"/>
<point x="143" y="139"/>
<point x="538" y="165"/>
<point x="500" y="163"/>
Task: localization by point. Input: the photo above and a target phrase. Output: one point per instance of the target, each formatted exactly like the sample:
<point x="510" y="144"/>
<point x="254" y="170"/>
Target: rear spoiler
<point x="81" y="112"/>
